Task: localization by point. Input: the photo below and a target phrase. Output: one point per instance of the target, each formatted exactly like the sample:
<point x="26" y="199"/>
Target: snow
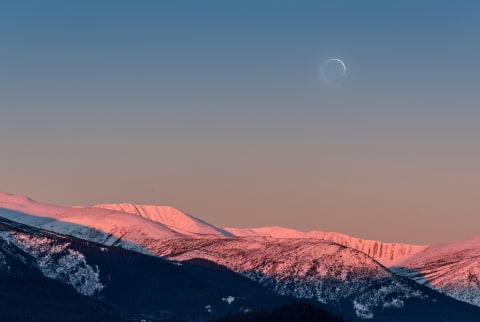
<point x="173" y="218"/>
<point x="453" y="269"/>
<point x="57" y="261"/>
<point x="303" y="268"/>
<point x="285" y="260"/>
<point x="131" y="225"/>
<point x="362" y="311"/>
<point x="276" y="232"/>
<point x="229" y="299"/>
<point x="100" y="225"/>
<point x="388" y="254"/>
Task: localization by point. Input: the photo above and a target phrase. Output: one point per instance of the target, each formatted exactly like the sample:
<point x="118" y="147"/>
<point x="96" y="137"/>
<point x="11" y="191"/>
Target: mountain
<point x="172" y="218"/>
<point x="453" y="269"/>
<point x="361" y="278"/>
<point x="87" y="281"/>
<point x="31" y="289"/>
<point x="388" y="254"/>
<point x="333" y="274"/>
<point x="104" y="226"/>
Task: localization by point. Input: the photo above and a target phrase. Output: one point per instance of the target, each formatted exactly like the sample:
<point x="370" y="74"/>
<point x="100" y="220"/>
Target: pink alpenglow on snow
<point x="452" y="268"/>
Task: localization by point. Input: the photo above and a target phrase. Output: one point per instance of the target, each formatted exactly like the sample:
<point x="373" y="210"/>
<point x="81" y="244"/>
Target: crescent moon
<point x="333" y="70"/>
<point x="341" y="62"/>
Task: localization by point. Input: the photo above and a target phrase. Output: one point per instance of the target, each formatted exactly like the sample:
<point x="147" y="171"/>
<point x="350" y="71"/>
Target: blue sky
<point x="217" y="107"/>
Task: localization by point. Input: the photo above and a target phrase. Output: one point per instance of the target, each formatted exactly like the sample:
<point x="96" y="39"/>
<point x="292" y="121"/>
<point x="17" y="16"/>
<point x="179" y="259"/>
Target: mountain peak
<point x="10" y="198"/>
<point x="173" y="218"/>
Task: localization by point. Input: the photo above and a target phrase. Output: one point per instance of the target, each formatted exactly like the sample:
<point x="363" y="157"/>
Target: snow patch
<point x="228" y="299"/>
<point x="362" y="311"/>
<point x="57" y="261"/>
<point x="394" y="303"/>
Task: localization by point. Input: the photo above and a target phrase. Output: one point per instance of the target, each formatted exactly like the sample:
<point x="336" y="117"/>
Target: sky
<point x="218" y="108"/>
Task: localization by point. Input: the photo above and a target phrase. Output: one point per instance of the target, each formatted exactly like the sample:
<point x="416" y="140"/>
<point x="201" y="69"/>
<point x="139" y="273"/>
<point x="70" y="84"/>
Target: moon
<point x="333" y="70"/>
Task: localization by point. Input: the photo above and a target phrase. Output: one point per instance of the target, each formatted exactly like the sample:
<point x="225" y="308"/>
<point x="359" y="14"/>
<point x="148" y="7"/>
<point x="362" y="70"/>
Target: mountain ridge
<point x="259" y="253"/>
<point x="171" y="217"/>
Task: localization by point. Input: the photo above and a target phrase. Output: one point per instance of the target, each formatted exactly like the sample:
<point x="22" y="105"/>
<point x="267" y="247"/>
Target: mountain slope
<point x="453" y="269"/>
<point x="31" y="291"/>
<point x="173" y="218"/>
<point x="327" y="272"/>
<point x="332" y="268"/>
<point x="100" y="225"/>
<point x="131" y="282"/>
<point x="388" y="254"/>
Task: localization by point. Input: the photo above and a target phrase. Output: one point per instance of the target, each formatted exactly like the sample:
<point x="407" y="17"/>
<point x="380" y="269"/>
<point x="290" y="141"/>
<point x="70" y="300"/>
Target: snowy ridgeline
<point x="56" y="261"/>
<point x="325" y="266"/>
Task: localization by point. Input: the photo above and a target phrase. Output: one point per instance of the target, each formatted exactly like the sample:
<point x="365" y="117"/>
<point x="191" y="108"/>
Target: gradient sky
<point x="217" y="108"/>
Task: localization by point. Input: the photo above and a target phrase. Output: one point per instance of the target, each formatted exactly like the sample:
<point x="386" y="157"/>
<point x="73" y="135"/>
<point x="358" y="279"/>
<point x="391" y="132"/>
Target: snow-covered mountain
<point x="388" y="254"/>
<point x="65" y="274"/>
<point x="364" y="278"/>
<point x="170" y="217"/>
<point x="306" y="268"/>
<point x="453" y="269"/>
<point x="104" y="226"/>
